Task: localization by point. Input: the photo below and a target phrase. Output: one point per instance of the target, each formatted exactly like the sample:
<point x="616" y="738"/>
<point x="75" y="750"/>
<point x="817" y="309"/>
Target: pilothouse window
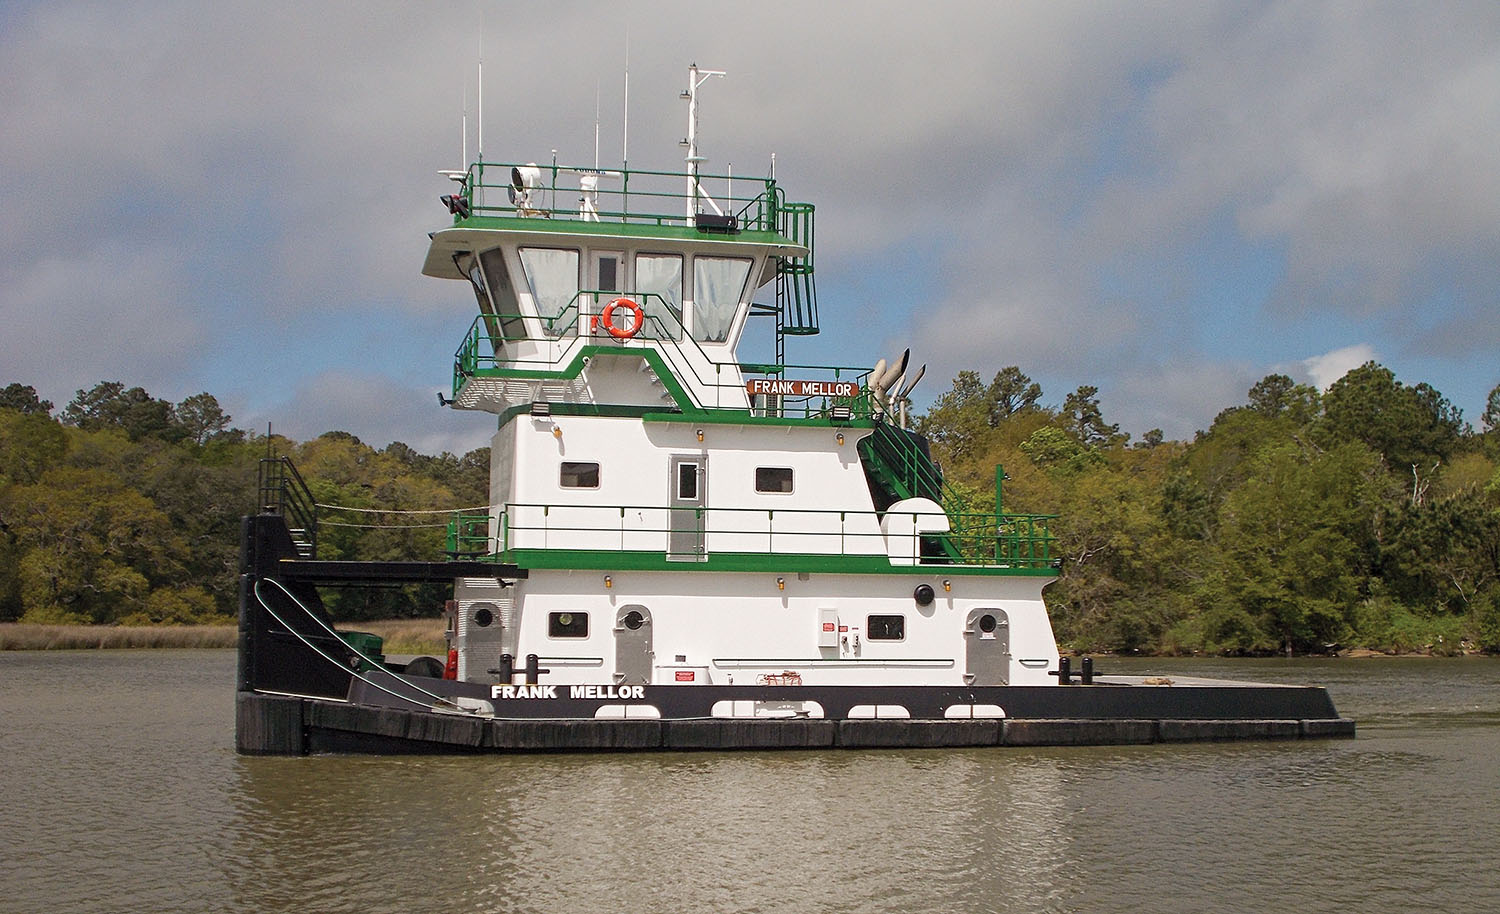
<point x="658" y="282"/>
<point x="500" y="296"/>
<point x="552" y="277"/>
<point x="718" y="284"/>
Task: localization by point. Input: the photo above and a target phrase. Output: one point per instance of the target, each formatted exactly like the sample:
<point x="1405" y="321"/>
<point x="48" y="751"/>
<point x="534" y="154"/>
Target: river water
<point x="122" y="793"/>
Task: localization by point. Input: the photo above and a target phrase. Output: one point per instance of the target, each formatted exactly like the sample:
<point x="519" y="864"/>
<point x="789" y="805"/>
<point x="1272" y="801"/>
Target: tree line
<point x="1299" y="521"/>
<point x="125" y="509"/>
<point x="1303" y="521"/>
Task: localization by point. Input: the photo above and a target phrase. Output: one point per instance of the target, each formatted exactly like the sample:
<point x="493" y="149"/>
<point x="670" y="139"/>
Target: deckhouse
<point x="724" y="518"/>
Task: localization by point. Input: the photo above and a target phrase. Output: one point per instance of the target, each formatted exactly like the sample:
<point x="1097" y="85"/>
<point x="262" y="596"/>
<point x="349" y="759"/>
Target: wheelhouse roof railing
<point x="616" y="195"/>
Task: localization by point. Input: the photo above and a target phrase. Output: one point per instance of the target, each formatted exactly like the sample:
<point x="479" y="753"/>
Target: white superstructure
<point x="684" y="517"/>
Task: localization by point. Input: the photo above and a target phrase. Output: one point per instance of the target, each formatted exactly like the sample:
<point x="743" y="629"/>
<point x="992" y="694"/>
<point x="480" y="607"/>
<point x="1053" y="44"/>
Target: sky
<point x="1166" y="201"/>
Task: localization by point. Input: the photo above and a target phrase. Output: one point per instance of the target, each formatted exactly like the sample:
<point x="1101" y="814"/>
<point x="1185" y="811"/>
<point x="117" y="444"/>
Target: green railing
<point x="989" y="540"/>
<point x="484" y="349"/>
<point x="631" y="195"/>
<point x="468" y="536"/>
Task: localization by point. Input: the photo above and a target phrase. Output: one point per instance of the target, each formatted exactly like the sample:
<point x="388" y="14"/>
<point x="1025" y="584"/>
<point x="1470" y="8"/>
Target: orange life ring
<point x="638" y="319"/>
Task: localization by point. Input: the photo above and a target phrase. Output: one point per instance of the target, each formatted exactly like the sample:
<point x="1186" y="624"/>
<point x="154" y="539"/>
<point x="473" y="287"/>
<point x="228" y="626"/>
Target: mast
<point x="696" y="78"/>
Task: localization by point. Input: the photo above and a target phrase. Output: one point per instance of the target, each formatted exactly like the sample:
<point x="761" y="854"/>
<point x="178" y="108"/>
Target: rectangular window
<point x="773" y="479"/>
<point x="580" y="475"/>
<point x="687" y="482"/>
<point x="609" y="265"/>
<point x="885" y="628"/>
<point x="567" y="625"/>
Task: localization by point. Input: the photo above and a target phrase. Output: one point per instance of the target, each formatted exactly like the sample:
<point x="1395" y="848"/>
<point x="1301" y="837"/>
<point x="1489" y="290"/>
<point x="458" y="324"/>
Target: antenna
<point x="481" y="89"/>
<point x="625" y="132"/>
<point x="596" y="125"/>
<point x="461" y="173"/>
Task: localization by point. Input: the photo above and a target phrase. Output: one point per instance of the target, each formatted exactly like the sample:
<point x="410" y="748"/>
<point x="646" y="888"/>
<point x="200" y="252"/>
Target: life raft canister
<point x="607" y="319"/>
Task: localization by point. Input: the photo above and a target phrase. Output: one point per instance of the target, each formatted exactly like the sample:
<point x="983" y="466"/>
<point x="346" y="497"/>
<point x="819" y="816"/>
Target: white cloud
<point x="1330" y="366"/>
<point x="224" y="171"/>
<point x="376" y="410"/>
<point x="102" y="313"/>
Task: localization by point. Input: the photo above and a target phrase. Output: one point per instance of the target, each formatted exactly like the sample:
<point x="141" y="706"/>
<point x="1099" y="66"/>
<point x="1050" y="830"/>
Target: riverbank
<point x="402" y="636"/>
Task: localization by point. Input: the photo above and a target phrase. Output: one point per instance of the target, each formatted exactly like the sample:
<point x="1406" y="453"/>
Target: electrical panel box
<point x="828" y="627"/>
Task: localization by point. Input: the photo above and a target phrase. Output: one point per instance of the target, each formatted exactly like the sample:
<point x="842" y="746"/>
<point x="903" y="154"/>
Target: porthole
<point x="483" y="617"/>
<point x="986" y="623"/>
<point x="634" y="620"/>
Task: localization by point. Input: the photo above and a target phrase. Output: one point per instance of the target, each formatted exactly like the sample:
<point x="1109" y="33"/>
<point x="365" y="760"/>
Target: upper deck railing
<point x="708" y="383"/>
<point x="617" y="195"/>
<point x="1019" y="541"/>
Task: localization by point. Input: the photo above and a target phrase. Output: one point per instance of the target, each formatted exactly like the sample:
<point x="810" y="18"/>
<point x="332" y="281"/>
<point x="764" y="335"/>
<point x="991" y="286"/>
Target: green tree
<point x="1052" y="448"/>
<point x="1442" y="555"/>
<point x="201" y="418"/>
<point x="959" y="417"/>
<point x="1082" y="417"/>
<point x="23" y="399"/>
<point x="1011" y="392"/>
<point x="90" y="546"/>
<point x="1277" y="395"/>
<point x="30" y="444"/>
<point x="109" y="404"/>
<point x="1295" y="547"/>
<point x="1408" y="426"/>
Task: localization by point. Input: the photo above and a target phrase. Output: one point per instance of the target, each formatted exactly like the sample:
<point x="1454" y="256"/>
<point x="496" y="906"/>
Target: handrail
<point x="759" y="211"/>
<point x="686" y="356"/>
<point x="283" y="491"/>
<point x="973" y="539"/>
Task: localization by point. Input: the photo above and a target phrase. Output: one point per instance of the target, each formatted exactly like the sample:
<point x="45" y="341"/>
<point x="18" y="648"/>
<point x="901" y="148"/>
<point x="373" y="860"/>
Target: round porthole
<point x="565" y="619"/>
<point x="483" y="617"/>
<point x="634" y="620"/>
<point x="923" y="594"/>
<point x="986" y="623"/>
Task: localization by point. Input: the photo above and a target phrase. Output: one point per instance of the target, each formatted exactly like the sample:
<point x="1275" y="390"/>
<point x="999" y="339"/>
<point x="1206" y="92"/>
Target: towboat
<point x="684" y="550"/>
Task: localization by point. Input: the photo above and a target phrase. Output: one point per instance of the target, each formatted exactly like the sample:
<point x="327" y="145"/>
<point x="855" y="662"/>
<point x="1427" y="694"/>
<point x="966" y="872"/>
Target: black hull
<point x="282" y="725"/>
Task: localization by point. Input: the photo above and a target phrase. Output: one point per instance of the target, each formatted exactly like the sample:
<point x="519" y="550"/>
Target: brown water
<point x="122" y="793"/>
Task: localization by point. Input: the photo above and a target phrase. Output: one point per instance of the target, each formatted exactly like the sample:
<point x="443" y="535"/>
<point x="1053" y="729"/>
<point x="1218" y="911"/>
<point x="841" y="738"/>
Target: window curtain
<point x="718" y="283"/>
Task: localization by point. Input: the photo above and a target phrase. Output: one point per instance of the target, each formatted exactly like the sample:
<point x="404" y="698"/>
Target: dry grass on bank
<point x="402" y="636"/>
<point x="405" y="636"/>
<point x="21" y="636"/>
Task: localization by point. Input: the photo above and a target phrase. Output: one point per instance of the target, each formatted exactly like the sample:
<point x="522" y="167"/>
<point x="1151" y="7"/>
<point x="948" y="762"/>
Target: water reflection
<point x="741" y="832"/>
<point x="123" y="794"/>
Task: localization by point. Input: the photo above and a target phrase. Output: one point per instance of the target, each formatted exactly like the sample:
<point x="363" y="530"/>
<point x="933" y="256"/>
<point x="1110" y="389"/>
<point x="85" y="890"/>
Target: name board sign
<point x="775" y="387"/>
